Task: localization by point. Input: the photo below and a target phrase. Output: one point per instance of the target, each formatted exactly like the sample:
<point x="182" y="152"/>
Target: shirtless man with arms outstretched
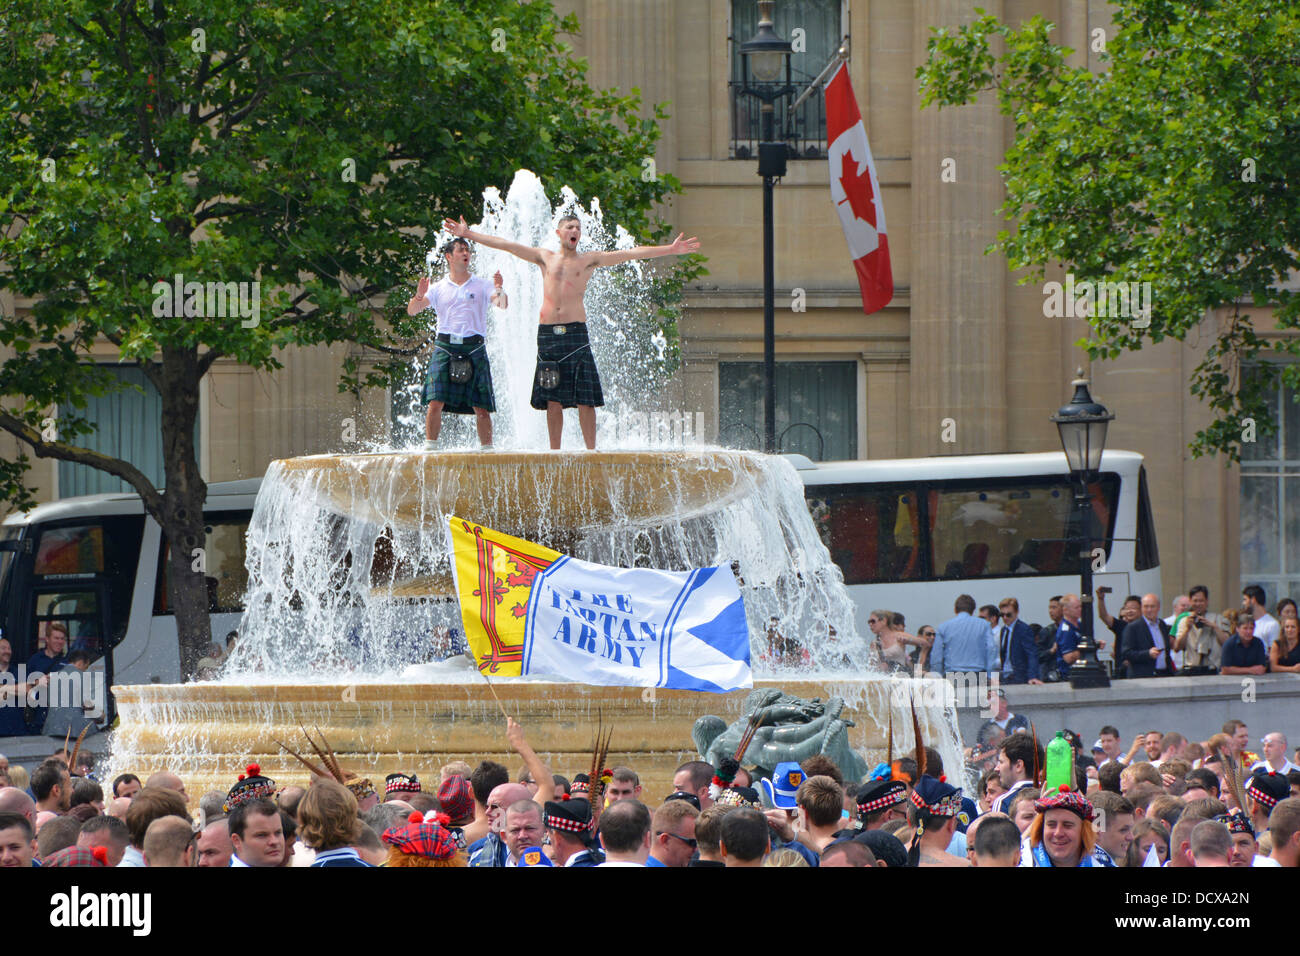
<point x="566" y="371"/>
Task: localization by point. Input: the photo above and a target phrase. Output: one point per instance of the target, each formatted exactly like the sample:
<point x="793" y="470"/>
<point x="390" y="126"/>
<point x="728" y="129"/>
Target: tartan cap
<point x="401" y="783"/>
<point x="1268" y="787"/>
<point x="581" y="784"/>
<point x="1065" y="799"/>
<point x="456" y="798"/>
<point x="250" y="786"/>
<point x="77" y="856"/>
<point x="419" y="838"/>
<point x="875" y="795"/>
<point x="570" y="814"/>
<point x="936" y="797"/>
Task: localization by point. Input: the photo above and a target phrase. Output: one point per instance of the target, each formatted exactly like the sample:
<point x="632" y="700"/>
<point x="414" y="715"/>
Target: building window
<point x="128" y="425"/>
<point x="822" y="24"/>
<point x="816" y="408"/>
<point x="1270" y="497"/>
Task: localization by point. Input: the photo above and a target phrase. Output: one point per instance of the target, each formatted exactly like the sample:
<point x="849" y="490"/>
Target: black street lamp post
<point x="1082" y="424"/>
<point x="765" y="60"/>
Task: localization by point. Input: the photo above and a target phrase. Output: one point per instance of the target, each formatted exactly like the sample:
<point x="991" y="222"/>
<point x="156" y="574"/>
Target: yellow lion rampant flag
<point x="494" y="575"/>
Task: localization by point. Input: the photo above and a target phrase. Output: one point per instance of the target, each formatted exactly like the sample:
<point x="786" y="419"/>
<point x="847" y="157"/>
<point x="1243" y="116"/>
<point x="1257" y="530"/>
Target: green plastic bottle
<point x="1059" y="760"/>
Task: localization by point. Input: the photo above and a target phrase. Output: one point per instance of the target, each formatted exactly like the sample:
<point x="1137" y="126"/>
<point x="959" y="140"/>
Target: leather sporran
<point x="548" y="375"/>
<point x="460" y="370"/>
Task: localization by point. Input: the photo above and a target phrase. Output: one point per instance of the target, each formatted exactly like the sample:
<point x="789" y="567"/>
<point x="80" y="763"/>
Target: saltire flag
<point x="855" y="191"/>
<point x="530" y="611"/>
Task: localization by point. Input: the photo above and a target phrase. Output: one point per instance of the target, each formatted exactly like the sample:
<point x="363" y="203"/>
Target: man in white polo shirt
<point x="459" y="378"/>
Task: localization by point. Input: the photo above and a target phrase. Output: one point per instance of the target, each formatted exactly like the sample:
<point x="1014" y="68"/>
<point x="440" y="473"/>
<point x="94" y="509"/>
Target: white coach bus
<point x="912" y="534"/>
<point x="98" y="565"/>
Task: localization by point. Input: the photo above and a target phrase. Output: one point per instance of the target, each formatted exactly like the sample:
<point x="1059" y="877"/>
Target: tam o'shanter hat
<point x="1268" y="788"/>
<point x="251" y="785"/>
<point x="456" y="798"/>
<point x="1236" y="822"/>
<point x="1065" y="799"/>
<point x="401" y="783"/>
<point x="77" y="856"/>
<point x="581" y="784"/>
<point x="738" y="797"/>
<point x="781" y="788"/>
<point x="419" y="837"/>
<point x="936" y="797"/>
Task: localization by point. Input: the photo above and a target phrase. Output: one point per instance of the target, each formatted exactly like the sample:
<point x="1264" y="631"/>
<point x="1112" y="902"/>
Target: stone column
<point x="958" y="321"/>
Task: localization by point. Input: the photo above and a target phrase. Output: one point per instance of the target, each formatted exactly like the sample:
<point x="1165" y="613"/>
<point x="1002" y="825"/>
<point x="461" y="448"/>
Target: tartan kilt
<point x="579" y="379"/>
<point x="463" y="397"/>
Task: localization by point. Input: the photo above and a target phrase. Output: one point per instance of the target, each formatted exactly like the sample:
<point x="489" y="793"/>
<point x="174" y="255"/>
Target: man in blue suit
<point x="1144" y="644"/>
<point x="1016" y="648"/>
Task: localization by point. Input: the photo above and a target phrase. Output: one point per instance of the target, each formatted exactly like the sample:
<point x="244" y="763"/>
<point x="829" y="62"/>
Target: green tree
<point x="1174" y="164"/>
<point x="300" y="145"/>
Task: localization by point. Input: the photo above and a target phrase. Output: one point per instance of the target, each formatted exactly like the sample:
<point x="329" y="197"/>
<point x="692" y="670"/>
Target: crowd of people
<point x="1167" y="801"/>
<point x="1189" y="642"/>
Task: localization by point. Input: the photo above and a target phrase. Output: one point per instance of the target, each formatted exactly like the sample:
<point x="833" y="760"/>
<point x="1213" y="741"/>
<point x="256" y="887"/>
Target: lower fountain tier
<point x="208" y="733"/>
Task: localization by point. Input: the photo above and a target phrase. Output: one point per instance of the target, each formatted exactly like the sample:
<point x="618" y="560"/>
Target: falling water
<point x="627" y="338"/>
<point x="349" y="574"/>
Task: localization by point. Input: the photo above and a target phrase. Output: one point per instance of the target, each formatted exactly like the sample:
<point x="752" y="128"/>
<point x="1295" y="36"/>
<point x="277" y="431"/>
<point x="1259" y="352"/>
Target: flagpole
<point x="841" y="56"/>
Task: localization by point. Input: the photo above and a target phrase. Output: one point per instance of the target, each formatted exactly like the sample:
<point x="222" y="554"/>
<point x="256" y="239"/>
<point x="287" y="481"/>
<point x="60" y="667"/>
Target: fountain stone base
<point x="208" y="733"/>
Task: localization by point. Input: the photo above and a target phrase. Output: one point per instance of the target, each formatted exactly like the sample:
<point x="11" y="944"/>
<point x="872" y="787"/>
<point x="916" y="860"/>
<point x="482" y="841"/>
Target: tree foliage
<point x="300" y="145"/>
<point x="1173" y="164"/>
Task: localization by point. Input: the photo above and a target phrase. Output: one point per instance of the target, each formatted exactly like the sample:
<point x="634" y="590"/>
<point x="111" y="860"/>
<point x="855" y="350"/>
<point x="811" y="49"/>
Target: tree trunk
<point x="183" y="497"/>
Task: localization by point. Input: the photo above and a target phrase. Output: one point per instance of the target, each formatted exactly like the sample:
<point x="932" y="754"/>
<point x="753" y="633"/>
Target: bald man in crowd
<point x="169" y="842"/>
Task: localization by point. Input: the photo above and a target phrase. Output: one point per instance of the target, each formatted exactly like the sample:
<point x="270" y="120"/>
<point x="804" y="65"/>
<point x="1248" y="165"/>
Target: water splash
<point x="627" y="338"/>
<point x="349" y="575"/>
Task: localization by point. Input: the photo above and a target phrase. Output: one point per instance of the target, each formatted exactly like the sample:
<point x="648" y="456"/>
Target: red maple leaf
<point x="857" y="189"/>
<point x="519" y="611"/>
<point x="525" y="576"/>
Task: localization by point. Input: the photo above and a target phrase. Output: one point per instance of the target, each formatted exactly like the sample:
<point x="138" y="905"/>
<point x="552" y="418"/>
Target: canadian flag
<point x="856" y="193"/>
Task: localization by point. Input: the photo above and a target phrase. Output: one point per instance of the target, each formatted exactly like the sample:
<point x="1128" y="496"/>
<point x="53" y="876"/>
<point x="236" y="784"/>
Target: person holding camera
<point x="1200" y="635"/>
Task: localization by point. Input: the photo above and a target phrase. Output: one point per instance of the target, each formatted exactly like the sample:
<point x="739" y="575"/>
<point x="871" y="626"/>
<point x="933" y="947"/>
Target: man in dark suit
<point x="1144" y="643"/>
<point x="1016" y="648"/>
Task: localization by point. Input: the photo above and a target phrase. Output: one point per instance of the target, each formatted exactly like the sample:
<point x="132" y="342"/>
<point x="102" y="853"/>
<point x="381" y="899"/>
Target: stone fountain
<point x="351" y="625"/>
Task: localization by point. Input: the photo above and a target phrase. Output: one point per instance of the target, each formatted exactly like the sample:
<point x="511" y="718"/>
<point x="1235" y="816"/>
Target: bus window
<point x="871" y="533"/>
<point x="70" y="557"/>
<point x="78" y="610"/>
<point x="223" y="564"/>
<point x="78" y="549"/>
<point x="1014" y="528"/>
